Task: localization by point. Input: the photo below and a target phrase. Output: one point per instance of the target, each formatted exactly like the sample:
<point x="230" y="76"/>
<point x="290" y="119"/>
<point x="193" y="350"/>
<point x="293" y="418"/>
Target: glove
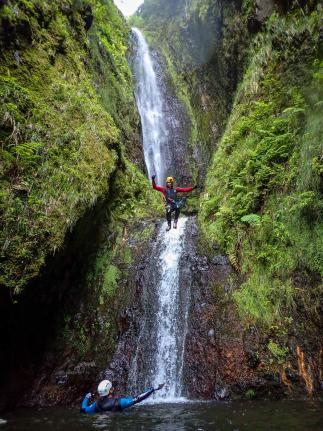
<point x="153" y="177"/>
<point x="88" y="396"/>
<point x="160" y="386"/>
<point x="196" y="187"/>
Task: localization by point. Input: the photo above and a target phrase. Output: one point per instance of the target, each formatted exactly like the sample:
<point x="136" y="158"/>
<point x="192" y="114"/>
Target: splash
<point x="170" y="343"/>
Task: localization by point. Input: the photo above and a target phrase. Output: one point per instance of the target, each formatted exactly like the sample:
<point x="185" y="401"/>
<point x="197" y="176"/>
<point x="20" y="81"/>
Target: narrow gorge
<point x="222" y="95"/>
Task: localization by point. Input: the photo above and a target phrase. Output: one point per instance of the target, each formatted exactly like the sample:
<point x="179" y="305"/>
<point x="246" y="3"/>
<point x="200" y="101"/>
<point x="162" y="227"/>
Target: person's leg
<point x="168" y="218"/>
<point x="177" y="211"/>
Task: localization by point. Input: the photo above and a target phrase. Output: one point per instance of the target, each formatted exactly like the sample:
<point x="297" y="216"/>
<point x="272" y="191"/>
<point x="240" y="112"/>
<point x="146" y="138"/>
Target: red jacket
<point x="178" y="189"/>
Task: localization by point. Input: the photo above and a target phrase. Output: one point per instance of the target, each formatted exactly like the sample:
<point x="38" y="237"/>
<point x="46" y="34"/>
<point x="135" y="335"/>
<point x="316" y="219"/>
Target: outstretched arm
<point x="159" y="188"/>
<point x="130" y="401"/>
<point x="127" y="402"/>
<point x="146" y="394"/>
<point x="184" y="189"/>
<point x="143" y="396"/>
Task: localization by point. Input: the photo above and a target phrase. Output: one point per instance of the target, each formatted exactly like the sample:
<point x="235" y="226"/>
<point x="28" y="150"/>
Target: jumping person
<point x="172" y="204"/>
<point x="108" y="403"/>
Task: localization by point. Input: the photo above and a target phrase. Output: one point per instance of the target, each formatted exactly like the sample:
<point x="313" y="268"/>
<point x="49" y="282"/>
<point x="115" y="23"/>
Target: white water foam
<point x="170" y="344"/>
<point x="150" y="106"/>
<point x="163" y="360"/>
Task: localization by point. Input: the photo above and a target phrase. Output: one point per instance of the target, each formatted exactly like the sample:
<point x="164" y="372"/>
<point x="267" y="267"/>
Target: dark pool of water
<point x="206" y="416"/>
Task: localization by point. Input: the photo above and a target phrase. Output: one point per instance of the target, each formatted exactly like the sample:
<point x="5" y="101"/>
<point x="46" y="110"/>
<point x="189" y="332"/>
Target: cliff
<point x="72" y="183"/>
<point x="76" y="209"/>
<point x="250" y="76"/>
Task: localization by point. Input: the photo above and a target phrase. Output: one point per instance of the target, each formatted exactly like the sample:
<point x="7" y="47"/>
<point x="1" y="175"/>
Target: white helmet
<point x="104" y="388"/>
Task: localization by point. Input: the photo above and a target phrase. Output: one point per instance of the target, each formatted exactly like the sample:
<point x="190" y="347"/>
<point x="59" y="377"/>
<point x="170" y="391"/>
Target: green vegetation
<point x="203" y="44"/>
<point x="95" y="329"/>
<point x="111" y="277"/>
<point x="277" y="351"/>
<point x="262" y="200"/>
<point x="135" y="21"/>
<point x="250" y="393"/>
<point x="145" y="234"/>
<point x="69" y="139"/>
<point x="77" y="338"/>
<point x="67" y="118"/>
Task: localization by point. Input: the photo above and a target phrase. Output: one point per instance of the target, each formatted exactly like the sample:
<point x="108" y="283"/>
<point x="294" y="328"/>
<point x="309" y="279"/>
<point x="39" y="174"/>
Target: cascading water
<point x="160" y="351"/>
<point x="170" y="330"/>
<point x="160" y="348"/>
<point x="150" y="106"/>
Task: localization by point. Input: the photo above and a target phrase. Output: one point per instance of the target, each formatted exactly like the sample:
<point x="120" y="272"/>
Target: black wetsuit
<point x="107" y="404"/>
<point x="170" y="197"/>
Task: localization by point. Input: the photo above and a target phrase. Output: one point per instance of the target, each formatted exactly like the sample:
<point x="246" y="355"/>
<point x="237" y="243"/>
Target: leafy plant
<point x="277" y="351"/>
<point x="251" y="219"/>
<point x="262" y="201"/>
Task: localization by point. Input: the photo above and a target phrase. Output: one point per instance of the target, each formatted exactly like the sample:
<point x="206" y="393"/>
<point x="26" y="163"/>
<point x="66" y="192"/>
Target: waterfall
<point x="150" y="105"/>
<point x="170" y="329"/>
<point x="160" y="349"/>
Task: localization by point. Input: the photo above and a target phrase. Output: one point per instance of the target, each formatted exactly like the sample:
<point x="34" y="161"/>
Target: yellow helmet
<point x="170" y="180"/>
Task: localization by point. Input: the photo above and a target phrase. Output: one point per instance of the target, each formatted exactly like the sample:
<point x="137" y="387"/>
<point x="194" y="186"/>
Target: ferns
<point x="251" y="219"/>
<point x="263" y="187"/>
<point x="27" y="152"/>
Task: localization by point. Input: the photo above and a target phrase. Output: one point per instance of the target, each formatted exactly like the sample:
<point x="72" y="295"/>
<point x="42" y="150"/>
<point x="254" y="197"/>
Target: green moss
<point x="76" y="335"/>
<point x="198" y="47"/>
<point x="127" y="256"/>
<point x="136" y="21"/>
<point x="262" y="201"/>
<point x="250" y="393"/>
<point x="145" y="234"/>
<point x="111" y="277"/>
<point x="67" y="118"/>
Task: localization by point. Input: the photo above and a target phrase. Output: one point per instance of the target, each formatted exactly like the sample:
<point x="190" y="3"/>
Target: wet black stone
<point x="220" y="260"/>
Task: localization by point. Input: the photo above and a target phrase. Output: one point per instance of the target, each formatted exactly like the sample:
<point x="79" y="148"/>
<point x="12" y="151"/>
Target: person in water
<point x="170" y="199"/>
<point x="108" y="403"/>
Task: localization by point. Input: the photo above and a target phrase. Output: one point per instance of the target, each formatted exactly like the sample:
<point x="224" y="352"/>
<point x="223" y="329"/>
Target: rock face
<point x="217" y="364"/>
<point x="70" y="173"/>
<point x="204" y="45"/>
<point x="80" y="321"/>
<point x="102" y="338"/>
<point x="176" y="152"/>
<point x="269" y="230"/>
<point x="224" y="358"/>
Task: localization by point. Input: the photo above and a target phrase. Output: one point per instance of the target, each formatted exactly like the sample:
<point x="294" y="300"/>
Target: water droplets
<point x="150" y="106"/>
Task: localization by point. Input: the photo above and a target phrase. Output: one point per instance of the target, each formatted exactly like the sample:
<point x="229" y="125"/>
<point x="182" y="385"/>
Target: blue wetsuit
<point x="106" y="404"/>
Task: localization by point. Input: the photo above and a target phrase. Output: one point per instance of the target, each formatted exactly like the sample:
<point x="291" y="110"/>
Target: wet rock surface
<point x="178" y="128"/>
<point x="176" y="133"/>
<point x="220" y="357"/>
<point x="63" y="375"/>
<point x="142" y="277"/>
<point x="225" y="356"/>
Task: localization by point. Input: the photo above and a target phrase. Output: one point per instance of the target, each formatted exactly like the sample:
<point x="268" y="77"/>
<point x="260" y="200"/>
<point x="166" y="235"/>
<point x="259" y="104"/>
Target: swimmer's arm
<point x="86" y="408"/>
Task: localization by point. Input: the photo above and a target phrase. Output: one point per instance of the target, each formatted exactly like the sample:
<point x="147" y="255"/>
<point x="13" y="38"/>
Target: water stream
<point x="151" y="108"/>
<point x="160" y="350"/>
<point x="170" y="330"/>
<point x="159" y="355"/>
